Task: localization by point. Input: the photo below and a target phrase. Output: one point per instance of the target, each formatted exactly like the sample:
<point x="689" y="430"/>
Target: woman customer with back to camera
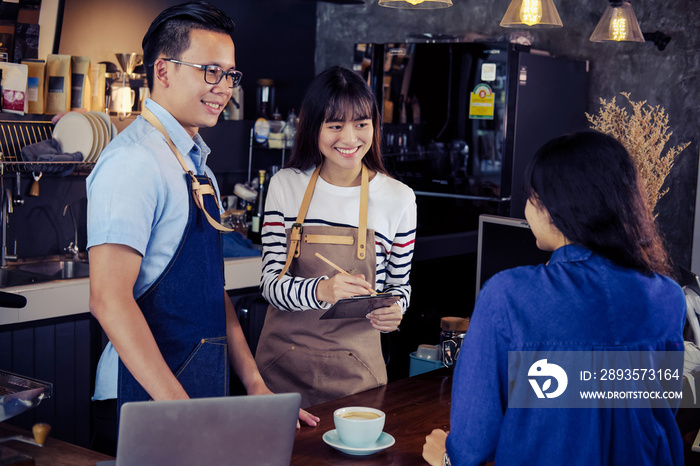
<point x="349" y="210"/>
<point x="604" y="288"/>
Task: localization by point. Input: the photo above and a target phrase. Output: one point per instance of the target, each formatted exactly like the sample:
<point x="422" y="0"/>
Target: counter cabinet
<point x="63" y="351"/>
<point x="55" y="339"/>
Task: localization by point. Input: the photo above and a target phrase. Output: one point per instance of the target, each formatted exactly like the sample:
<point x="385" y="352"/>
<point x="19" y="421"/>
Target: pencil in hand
<point x="327" y="261"/>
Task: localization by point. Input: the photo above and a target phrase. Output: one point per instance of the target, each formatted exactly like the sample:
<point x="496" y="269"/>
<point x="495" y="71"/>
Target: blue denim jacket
<point x="579" y="301"/>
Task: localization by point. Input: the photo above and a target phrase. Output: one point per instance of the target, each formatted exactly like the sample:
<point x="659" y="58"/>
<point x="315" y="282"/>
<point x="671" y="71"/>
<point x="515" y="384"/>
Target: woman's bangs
<point x="349" y="108"/>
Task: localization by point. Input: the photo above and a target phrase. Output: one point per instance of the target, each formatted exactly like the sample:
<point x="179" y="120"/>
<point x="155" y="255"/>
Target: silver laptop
<point x="245" y="430"/>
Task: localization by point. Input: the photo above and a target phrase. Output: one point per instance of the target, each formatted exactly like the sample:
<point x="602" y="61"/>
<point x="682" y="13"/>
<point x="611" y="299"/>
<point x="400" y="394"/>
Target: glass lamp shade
<point x="416" y="4"/>
<point x="531" y="13"/>
<point x="618" y="24"/>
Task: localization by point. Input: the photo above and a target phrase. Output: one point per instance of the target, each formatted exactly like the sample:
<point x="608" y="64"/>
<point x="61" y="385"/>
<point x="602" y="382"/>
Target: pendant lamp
<point x="416" y="4"/>
<point x="531" y="13"/>
<point x="618" y="24"/>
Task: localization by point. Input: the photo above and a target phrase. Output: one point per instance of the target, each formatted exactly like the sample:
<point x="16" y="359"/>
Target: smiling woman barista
<point x="334" y="197"/>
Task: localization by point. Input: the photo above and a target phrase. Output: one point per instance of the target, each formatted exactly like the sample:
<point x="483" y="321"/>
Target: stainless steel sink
<point x="42" y="271"/>
<point x="15" y="277"/>
<point x="56" y="270"/>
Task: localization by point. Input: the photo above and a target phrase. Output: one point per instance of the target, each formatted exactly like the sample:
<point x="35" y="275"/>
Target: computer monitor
<point x="505" y="243"/>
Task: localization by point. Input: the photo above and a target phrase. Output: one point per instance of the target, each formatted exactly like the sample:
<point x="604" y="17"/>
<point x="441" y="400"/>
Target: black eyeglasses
<point x="213" y="74"/>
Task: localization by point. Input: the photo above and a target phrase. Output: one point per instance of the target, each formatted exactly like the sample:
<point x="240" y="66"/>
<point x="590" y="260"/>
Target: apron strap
<point x="362" y="225"/>
<point x="199" y="190"/>
<point x="295" y="234"/>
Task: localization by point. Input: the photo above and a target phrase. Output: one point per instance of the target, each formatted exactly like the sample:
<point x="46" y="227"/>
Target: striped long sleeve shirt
<point x="391" y="214"/>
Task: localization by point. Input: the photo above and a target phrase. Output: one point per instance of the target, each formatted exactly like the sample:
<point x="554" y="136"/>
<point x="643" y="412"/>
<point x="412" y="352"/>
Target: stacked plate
<point x="87" y="133"/>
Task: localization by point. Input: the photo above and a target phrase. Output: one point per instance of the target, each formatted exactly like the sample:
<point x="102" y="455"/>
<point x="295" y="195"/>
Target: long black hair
<point x="334" y="95"/>
<point x="590" y="186"/>
<point x="169" y="33"/>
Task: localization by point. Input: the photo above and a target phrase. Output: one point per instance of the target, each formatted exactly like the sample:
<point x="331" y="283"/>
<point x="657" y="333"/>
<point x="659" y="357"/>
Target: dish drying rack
<point x="14" y="135"/>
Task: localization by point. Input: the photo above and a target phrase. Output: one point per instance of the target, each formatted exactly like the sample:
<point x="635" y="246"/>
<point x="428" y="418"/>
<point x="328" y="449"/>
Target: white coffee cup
<point x="122" y="100"/>
<point x="358" y="426"/>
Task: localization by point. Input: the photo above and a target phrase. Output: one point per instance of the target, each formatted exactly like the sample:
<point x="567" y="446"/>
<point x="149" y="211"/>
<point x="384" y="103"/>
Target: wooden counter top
<point x="53" y="453"/>
<point x="413" y="406"/>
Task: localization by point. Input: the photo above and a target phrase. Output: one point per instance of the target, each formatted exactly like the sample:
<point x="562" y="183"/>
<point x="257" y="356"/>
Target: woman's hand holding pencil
<point x="342" y="285"/>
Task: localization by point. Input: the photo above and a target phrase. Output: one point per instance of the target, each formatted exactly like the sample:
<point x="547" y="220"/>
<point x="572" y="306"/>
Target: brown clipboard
<point x="358" y="307"/>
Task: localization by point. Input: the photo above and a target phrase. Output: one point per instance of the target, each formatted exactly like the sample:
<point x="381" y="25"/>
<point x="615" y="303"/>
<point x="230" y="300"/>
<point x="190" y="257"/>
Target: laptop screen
<point x="505" y="243"/>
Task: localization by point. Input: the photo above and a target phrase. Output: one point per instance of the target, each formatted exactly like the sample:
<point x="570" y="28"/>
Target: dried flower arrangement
<point x="644" y="134"/>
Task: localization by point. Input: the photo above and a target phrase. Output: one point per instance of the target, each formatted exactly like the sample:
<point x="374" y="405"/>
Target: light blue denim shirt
<point x="137" y="196"/>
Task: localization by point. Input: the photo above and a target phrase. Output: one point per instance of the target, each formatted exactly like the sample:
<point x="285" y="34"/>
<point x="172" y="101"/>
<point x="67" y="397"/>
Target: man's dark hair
<point x="169" y="33"/>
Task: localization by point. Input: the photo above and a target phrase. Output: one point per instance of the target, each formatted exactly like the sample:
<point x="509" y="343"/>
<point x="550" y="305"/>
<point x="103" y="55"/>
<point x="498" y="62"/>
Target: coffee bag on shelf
<point x="36" y="70"/>
<point x="14" y="88"/>
<point x="57" y="84"/>
<point x="80" y="85"/>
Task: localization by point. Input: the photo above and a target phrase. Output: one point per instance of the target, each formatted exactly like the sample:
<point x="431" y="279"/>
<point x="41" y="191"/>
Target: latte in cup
<point x="359" y="426"/>
<point x="360" y="415"/>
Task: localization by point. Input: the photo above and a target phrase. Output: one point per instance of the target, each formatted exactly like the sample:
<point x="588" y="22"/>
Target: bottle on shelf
<point x="257" y="219"/>
<point x="276" y="138"/>
<point x="249" y="215"/>
<point x="265" y="98"/>
<point x="290" y="129"/>
<point x="388" y="114"/>
<point x="265" y="102"/>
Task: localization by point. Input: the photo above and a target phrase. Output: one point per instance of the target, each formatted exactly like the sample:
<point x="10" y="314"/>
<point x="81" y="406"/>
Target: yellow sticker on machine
<point x="481" y="102"/>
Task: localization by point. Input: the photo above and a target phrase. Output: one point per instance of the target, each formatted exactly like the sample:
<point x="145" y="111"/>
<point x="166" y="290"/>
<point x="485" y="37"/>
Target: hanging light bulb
<point x="416" y="4"/>
<point x="531" y="13"/>
<point x="618" y="24"/>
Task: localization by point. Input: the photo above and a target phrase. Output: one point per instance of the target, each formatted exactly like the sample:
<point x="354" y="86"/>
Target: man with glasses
<point x="156" y="273"/>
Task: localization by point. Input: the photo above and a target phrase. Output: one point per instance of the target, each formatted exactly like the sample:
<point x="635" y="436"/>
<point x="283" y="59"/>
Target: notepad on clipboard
<point x="358" y="307"/>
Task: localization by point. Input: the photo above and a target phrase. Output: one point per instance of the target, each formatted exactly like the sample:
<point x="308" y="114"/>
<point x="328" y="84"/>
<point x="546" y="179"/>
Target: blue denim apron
<point x="185" y="310"/>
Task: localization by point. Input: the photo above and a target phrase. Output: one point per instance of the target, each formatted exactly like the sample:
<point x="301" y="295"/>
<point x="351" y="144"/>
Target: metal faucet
<point x="7" y="209"/>
<point x="73" y="246"/>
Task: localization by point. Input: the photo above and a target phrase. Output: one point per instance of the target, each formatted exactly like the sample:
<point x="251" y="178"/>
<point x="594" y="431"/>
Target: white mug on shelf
<point x="122" y="101"/>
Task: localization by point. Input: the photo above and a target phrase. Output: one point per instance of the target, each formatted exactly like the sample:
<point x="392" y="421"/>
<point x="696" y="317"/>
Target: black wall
<point x="38" y="224"/>
<point x="274" y="39"/>
<point x="669" y="78"/>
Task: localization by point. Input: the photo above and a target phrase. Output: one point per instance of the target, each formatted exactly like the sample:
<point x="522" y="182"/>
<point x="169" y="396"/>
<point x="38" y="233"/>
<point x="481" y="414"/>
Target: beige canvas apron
<point x="323" y="359"/>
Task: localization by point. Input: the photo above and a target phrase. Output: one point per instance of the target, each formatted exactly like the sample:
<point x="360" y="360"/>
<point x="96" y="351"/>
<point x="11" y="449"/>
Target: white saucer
<point x="384" y="441"/>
